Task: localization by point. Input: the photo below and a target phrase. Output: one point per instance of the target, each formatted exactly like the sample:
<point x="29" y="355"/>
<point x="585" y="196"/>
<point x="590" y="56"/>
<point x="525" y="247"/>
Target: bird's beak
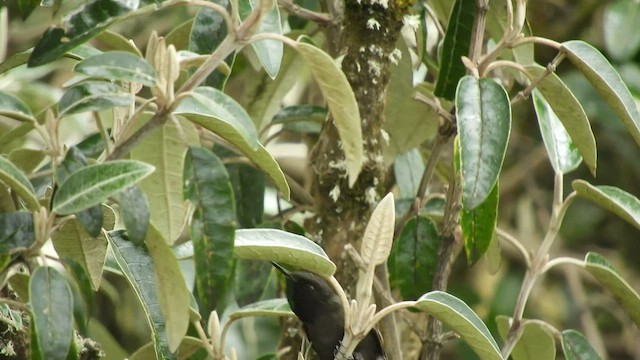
<point x="286" y="272"/>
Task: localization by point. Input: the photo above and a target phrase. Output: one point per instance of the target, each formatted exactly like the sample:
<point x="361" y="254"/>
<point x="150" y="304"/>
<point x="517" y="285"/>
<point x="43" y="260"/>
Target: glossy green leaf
<point x="483" y="114"/>
<point x="597" y="69"/>
<point x="561" y="150"/>
<point x="137" y="266"/>
<point x="78" y="28"/>
<point x="408" y="169"/>
<point x="15" y="179"/>
<point x="478" y="226"/>
<point x="118" y="65"/>
<point x="16" y="232"/>
<point x="93" y="96"/>
<point x="536" y="343"/>
<point x="341" y="102"/>
<point x="576" y="347"/>
<point x="269" y="51"/>
<point x="618" y="201"/>
<point x="570" y="113"/>
<point x="72" y="241"/>
<point x="621" y="17"/>
<point x="612" y="280"/>
<point x="248" y="185"/>
<point x="134" y="210"/>
<point x="12" y="107"/>
<point x="282" y="247"/>
<point x="93" y="184"/>
<point x="414" y="258"/>
<point x="51" y="304"/>
<point x="173" y="294"/>
<point x="457" y="42"/>
<point x="457" y="315"/>
<point x="164" y="149"/>
<point x="272" y="308"/>
<point x="213" y="225"/>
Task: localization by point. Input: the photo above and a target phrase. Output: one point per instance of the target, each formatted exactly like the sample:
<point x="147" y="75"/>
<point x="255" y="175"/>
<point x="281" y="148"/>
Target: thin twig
<point x="293" y="9"/>
<point x="205" y="340"/>
<point x="551" y="67"/>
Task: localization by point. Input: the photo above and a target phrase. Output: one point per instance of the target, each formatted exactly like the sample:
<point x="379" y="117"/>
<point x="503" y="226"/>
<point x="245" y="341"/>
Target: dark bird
<point x="318" y="307"/>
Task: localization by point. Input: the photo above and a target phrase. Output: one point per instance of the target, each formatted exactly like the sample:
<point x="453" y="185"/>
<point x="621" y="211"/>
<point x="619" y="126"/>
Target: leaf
<point x="619" y="287"/>
<point x="213" y="225"/>
<point x="51" y="304"/>
<point x="621" y="17"/>
<point x="253" y="281"/>
<point x="12" y="107"/>
<point x="483" y="114"/>
<point x="414" y="258"/>
<point x="271" y="308"/>
<point x="112" y="41"/>
<point x="248" y="185"/>
<point x="173" y="295"/>
<point x="305" y="119"/>
<point x="93" y="184"/>
<point x="92" y="96"/>
<point x="26" y="7"/>
<point x="569" y="111"/>
<point x="15" y="179"/>
<point x="134" y="210"/>
<point x="536" y="343"/>
<point x="16" y="232"/>
<point x="284" y="248"/>
<point x="164" y="149"/>
<point x="72" y="241"/>
<point x="188" y="350"/>
<point x="457" y="42"/>
<point x="478" y="226"/>
<point x="378" y="236"/>
<point x="269" y="51"/>
<point x="454" y="313"/>
<point x="576" y="347"/>
<point x="118" y="65"/>
<point x="408" y="169"/>
<point x="137" y="267"/>
<point x="618" y="201"/>
<point x="78" y="28"/>
<point x="341" y="102"/>
<point x="27" y="160"/>
<point x="561" y="150"/>
<point x="597" y="69"/>
<point x="21" y="58"/>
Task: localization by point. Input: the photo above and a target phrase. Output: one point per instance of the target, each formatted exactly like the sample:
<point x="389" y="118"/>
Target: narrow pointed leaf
<point x="378" y="236"/>
<point x="612" y="280"/>
<point x="93" y="96"/>
<point x="282" y="247"/>
<point x="341" y="102"/>
<point x="562" y="152"/>
<point x="51" y="303"/>
<point x="213" y="225"/>
<point x="134" y="208"/>
<point x="569" y="111"/>
<point x="478" y="226"/>
<point x="597" y="69"/>
<point x="483" y="114"/>
<point x="618" y="201"/>
<point x="536" y="343"/>
<point x="269" y="52"/>
<point x="457" y="315"/>
<point x="118" y="65"/>
<point x="16" y="232"/>
<point x="93" y="184"/>
<point x="12" y="107"/>
<point x="137" y="266"/>
<point x="457" y="42"/>
<point x="15" y="179"/>
<point x="576" y="347"/>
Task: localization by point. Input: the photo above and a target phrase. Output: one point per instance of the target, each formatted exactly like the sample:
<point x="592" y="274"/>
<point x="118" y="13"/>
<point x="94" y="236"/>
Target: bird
<point x="319" y="309"/>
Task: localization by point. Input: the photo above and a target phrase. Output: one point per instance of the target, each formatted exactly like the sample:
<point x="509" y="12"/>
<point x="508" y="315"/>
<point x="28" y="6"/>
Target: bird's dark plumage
<point x="318" y="307"/>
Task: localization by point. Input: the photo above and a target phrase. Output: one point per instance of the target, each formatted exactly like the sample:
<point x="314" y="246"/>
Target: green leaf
<point x="93" y="184"/>
<point x="536" y="343"/>
<point x="137" y="266"/>
<point x="92" y="96"/>
<point x="15" y="179"/>
<point x="188" y="350"/>
<point x="173" y="295"/>
<point x="457" y="42"/>
<point x="118" y="65"/>
<point x="569" y="111"/>
<point x="454" y="313"/>
<point x="561" y="150"/>
<point x="248" y="185"/>
<point x="51" y="304"/>
<point x="16" y="232"/>
<point x="305" y="119"/>
<point x="207" y="186"/>
<point x="478" y="226"/>
<point x="112" y="41"/>
<point x="272" y="308"/>
<point x="483" y="114"/>
<point x="72" y="241"/>
<point x="576" y="347"/>
<point x="253" y="281"/>
<point x="21" y="58"/>
<point x="619" y="287"/>
<point x="27" y="160"/>
<point x="408" y="169"/>
<point x="269" y="51"/>
<point x="597" y="69"/>
<point x="78" y="28"/>
<point x="284" y="248"/>
<point x="619" y="202"/>
<point x="621" y="17"/>
<point x="12" y="107"/>
<point x="341" y="102"/>
<point x="414" y="257"/>
<point x="164" y="149"/>
<point x="134" y="210"/>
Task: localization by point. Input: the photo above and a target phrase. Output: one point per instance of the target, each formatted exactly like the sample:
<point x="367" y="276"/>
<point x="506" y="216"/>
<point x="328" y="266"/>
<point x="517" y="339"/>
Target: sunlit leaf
<point x="618" y="201"/>
<point x="118" y="65"/>
<point x="269" y="51"/>
<point x="378" y="236"/>
<point x="478" y="226"/>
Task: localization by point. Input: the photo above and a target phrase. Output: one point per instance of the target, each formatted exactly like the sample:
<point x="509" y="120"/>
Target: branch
<point x="293" y="9"/>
